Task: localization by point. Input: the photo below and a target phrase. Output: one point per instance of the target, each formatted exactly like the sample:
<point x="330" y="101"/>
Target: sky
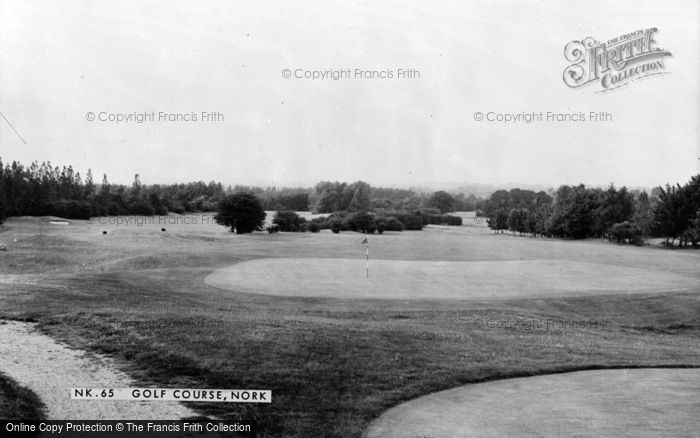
<point x="63" y="61"/>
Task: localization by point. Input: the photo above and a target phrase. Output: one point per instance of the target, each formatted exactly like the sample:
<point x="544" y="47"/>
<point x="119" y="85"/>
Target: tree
<point x="360" y="196"/>
<point x="289" y="221"/>
<point x="643" y="214"/>
<point x="3" y="206"/>
<point x="518" y="220"/>
<point x="242" y="212"/>
<point x="443" y="201"/>
<point x="625" y="232"/>
<point x="668" y="218"/>
<point x="498" y="221"/>
<point x="573" y="211"/>
<point x="328" y="202"/>
<point x="614" y="206"/>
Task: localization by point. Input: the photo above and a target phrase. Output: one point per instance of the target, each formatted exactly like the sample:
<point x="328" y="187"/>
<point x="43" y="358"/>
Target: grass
<point x="18" y="402"/>
<point x="333" y="364"/>
<point x="621" y="403"/>
<point x="334" y="277"/>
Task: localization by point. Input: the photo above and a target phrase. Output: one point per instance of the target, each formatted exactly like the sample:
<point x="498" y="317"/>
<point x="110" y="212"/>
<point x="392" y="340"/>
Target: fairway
<point x="405" y="279"/>
<point x="198" y="306"/>
<point x="620" y="403"/>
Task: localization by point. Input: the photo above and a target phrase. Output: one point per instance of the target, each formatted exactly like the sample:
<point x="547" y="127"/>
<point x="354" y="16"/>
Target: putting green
<point x="620" y="403"/>
<point x="346" y="278"/>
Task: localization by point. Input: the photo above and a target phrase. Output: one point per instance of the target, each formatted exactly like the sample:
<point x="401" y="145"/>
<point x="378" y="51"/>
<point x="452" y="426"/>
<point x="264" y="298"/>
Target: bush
<point x="410" y="221"/>
<point x="625" y="232"/>
<point x="322" y="222"/>
<point x="142" y="207"/>
<point x="314" y="227"/>
<point x="392" y="224"/>
<point x="336" y="225"/>
<point x="273" y="229"/>
<point x="451" y="220"/>
<point x="288" y="221"/>
<point x="361" y="221"/>
<point x="72" y="209"/>
<point x="161" y="210"/>
<point x="177" y="208"/>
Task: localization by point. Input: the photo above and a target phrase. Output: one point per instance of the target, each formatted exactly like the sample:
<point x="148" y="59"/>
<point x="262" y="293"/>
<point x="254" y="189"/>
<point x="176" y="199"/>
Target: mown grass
<point x="333" y="365"/>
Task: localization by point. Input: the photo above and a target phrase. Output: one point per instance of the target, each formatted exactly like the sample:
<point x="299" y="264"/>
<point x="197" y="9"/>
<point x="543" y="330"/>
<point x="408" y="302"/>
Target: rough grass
<point x="333" y="365"/>
<point x="18" y="402"/>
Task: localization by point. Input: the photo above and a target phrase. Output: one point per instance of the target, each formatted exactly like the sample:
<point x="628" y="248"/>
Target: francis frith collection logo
<point x="614" y="63"/>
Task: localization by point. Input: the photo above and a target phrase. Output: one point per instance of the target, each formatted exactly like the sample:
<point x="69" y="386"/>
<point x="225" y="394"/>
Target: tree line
<point x="670" y="212"/>
<point x="42" y="189"/>
<point x="46" y="190"/>
<point x="329" y="197"/>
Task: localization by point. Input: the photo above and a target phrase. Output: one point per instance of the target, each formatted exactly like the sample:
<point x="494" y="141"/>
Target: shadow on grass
<point x="18" y="402"/>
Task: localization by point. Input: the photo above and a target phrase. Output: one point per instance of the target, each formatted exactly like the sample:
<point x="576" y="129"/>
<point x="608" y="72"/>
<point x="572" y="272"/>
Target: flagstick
<point x="367" y="259"/>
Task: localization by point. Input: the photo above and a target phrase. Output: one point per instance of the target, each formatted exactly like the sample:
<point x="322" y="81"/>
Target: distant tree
<point x="136" y="186"/>
<point x="288" y="221"/>
<point x="499" y="200"/>
<point x="675" y="213"/>
<point x="3" y="215"/>
<point x="498" y="221"/>
<point x="470" y="203"/>
<point x="3" y="189"/>
<point x="89" y="189"/>
<point x="242" y="212"/>
<point x="336" y="225"/>
<point x="328" y="202"/>
<point x="643" y="214"/>
<point x="141" y="207"/>
<point x="613" y="206"/>
<point x="360" y="196"/>
<point x="668" y="218"/>
<point x="443" y="201"/>
<point x="692" y="233"/>
<point x="362" y="221"/>
<point x="572" y="212"/>
<point x="518" y="220"/>
<point x="381" y="204"/>
<point x="392" y="224"/>
<point x="409" y="203"/>
<point x="314" y="227"/>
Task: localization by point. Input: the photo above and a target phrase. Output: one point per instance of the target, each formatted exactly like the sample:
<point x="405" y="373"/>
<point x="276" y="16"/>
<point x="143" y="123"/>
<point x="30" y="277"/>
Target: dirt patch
<point x="50" y="369"/>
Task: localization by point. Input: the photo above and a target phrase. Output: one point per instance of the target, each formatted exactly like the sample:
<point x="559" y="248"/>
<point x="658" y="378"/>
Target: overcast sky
<point x="60" y="60"/>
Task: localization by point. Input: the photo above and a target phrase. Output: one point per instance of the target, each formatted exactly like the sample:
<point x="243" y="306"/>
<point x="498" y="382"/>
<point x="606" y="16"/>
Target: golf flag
<point x="366" y="242"/>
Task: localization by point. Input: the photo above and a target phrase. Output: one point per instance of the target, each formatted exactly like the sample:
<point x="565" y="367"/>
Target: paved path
<point x="619" y="403"/>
